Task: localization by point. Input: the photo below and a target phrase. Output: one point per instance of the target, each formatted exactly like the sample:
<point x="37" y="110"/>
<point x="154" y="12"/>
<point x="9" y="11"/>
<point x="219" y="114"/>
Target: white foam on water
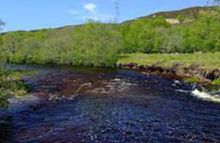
<point x="183" y="91"/>
<point x="206" y="96"/>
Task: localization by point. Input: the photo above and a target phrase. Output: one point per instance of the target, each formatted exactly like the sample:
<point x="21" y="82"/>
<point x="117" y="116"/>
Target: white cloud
<point x="90" y="11"/>
<point x="90" y="7"/>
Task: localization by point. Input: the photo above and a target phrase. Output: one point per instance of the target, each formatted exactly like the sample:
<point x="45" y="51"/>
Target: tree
<point x="141" y="35"/>
<point x="1" y="42"/>
<point x="96" y="44"/>
<point x="117" y="10"/>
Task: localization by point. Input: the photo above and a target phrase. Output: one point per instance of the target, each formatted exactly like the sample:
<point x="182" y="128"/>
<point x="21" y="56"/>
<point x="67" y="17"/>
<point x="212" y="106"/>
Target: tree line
<point x="99" y="44"/>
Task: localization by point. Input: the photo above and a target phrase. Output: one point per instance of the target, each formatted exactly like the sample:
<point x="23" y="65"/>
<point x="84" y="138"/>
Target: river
<point x="83" y="105"/>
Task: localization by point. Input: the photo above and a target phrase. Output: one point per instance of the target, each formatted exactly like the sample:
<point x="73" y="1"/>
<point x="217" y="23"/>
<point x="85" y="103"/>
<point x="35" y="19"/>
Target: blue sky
<point x="36" y="14"/>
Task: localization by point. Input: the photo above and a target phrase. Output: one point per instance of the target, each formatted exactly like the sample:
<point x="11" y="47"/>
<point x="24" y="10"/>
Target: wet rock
<point x="212" y="75"/>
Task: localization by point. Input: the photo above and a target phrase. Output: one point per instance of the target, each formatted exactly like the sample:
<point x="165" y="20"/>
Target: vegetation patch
<point x="11" y="85"/>
<point x="101" y="44"/>
<point x="216" y="82"/>
<point x="192" y="79"/>
<point x="207" y="61"/>
<point x="193" y="68"/>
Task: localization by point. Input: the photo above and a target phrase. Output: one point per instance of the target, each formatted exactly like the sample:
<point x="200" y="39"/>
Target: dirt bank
<point x="176" y="71"/>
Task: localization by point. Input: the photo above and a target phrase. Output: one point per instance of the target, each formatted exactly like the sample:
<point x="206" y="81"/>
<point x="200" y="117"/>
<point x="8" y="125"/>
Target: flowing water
<point x="82" y="105"/>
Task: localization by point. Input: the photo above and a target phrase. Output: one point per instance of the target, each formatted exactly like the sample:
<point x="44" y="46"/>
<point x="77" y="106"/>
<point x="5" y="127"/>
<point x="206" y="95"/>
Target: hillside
<point x="188" y="12"/>
<point x="191" y="12"/>
<point x="100" y="44"/>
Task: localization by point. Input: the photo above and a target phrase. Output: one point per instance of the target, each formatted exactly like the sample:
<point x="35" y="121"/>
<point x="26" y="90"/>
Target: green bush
<point x="98" y="44"/>
<point x="10" y="85"/>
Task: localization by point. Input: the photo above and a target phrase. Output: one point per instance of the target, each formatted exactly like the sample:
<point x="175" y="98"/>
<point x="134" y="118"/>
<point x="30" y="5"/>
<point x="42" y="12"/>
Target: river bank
<point x="12" y="85"/>
<point x="203" y="69"/>
<point x="183" y="67"/>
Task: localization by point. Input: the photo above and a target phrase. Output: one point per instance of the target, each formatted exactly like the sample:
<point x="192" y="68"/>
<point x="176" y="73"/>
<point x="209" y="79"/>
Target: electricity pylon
<point x="117" y="11"/>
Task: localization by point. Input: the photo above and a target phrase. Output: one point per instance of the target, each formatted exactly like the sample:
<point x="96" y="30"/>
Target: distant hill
<point x="191" y="12"/>
<point x="100" y="44"/>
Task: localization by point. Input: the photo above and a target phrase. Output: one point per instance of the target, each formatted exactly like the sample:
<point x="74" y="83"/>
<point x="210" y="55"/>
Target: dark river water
<point x="82" y="105"/>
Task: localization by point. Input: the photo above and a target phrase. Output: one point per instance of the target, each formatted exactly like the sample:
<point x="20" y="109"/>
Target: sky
<point x="38" y="14"/>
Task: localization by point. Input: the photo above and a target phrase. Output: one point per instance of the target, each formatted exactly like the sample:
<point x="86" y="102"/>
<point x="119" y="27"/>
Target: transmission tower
<point x="212" y="2"/>
<point x="217" y="2"/>
<point x="117" y="11"/>
<point x="208" y="3"/>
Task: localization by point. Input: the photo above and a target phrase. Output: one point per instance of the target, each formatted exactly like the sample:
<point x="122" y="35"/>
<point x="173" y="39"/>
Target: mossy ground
<point x="216" y="82"/>
<point x="193" y="79"/>
<point x="12" y="85"/>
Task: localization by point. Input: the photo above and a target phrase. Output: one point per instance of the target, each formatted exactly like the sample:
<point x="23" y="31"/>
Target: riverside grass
<point x="207" y="61"/>
<point x="11" y="85"/>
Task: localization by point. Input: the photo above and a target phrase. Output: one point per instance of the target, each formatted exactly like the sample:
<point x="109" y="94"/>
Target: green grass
<point x="206" y="61"/>
<point x="11" y="85"/>
<point x="216" y="82"/>
<point x="192" y="79"/>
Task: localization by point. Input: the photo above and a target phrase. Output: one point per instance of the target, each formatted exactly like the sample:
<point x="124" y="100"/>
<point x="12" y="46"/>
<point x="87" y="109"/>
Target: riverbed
<point x="83" y="105"/>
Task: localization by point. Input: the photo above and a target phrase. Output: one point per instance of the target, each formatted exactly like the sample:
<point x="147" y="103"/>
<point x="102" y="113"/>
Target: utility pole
<point x="117" y="11"/>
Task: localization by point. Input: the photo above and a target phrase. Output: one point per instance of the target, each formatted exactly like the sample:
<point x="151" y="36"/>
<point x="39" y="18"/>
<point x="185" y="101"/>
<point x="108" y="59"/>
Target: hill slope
<point x="101" y="44"/>
<point x="191" y="12"/>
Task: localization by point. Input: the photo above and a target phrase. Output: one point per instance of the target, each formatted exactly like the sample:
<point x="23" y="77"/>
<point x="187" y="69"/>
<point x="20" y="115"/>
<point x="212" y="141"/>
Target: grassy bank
<point x="205" y="61"/>
<point x="11" y="85"/>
